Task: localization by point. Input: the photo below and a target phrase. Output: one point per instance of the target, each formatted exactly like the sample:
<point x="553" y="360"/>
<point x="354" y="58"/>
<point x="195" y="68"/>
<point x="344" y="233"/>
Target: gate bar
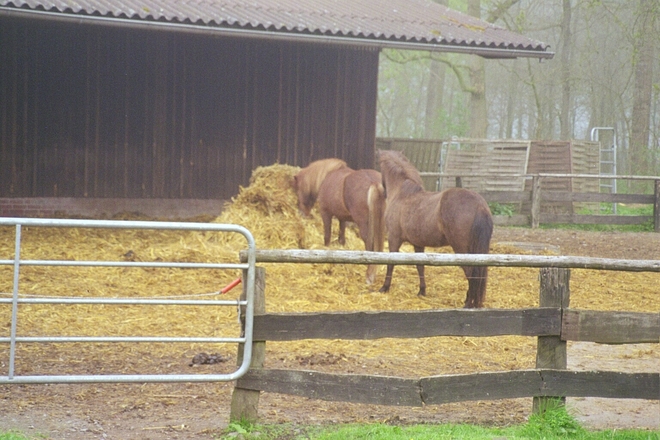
<point x="248" y="268"/>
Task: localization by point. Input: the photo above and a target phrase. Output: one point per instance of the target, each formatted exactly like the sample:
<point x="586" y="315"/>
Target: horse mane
<point x="396" y="165"/>
<point x="408" y="187"/>
<point x="308" y="181"/>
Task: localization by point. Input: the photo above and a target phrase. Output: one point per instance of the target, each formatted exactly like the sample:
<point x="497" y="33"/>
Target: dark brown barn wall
<point x="114" y="113"/>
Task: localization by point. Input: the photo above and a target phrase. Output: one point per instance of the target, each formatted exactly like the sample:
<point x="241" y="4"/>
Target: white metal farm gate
<point x="15" y="299"/>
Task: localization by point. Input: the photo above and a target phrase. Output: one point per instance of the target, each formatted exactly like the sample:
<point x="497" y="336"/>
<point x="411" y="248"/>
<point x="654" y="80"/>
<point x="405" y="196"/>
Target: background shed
<point x="111" y="106"/>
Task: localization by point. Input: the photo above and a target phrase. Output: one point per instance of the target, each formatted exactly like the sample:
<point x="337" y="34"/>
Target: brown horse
<point x="307" y="182"/>
<point x="348" y="195"/>
<point x="456" y="217"/>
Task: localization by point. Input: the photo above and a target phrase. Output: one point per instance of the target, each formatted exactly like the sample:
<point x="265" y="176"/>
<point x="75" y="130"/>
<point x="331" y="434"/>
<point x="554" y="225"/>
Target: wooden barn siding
<point x="100" y="112"/>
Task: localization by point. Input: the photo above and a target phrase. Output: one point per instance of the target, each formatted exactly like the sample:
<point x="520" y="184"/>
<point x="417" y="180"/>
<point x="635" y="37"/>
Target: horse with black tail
<point x="456" y="217"/>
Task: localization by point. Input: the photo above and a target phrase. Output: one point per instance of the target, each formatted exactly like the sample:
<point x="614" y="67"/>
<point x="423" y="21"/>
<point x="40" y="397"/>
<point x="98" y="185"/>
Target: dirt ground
<point x="197" y="411"/>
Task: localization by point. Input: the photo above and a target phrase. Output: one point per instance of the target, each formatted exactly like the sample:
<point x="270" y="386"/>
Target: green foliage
<point x="554" y="422"/>
<point x="502" y="209"/>
<point x="621" y="209"/>
<point x="403" y="82"/>
<point x="241" y="427"/>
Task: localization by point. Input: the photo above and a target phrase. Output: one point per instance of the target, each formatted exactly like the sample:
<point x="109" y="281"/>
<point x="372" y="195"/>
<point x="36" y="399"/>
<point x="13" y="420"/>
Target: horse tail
<point x="376" y="224"/>
<point x="376" y="203"/>
<point x="480" y="234"/>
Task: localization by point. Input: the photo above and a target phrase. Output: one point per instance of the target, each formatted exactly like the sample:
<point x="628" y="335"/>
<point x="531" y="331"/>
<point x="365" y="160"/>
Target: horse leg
<point x="365" y="233"/>
<point x="420" y="272"/>
<point x="469" y="299"/>
<point x="342" y="232"/>
<point x="388" y="279"/>
<point x="476" y="276"/>
<point x="327" y="227"/>
<point x="394" y="247"/>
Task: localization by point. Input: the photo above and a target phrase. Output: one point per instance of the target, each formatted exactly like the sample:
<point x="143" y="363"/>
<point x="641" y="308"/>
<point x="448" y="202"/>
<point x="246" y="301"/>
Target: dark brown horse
<point x="350" y="196"/>
<point x="456" y="217"/>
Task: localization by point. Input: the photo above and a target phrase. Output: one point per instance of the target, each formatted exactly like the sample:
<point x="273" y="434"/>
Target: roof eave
<point x="364" y="42"/>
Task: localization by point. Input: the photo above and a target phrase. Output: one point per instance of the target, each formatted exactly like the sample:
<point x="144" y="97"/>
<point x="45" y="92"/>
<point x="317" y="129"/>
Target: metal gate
<point x="245" y="305"/>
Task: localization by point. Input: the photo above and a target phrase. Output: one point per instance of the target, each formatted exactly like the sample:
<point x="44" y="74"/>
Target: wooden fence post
<point x="245" y="403"/>
<point x="656" y="206"/>
<point x="536" y="201"/>
<point x="551" y="350"/>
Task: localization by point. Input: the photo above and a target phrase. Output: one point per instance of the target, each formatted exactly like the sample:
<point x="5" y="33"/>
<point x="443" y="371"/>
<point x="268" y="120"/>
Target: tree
<point x="435" y="94"/>
<point x="566" y="44"/>
<point x="606" y="73"/>
<point x="478" y="104"/>
<point x="643" y="60"/>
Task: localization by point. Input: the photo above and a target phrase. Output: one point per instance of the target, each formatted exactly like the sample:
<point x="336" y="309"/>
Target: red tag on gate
<point x="231" y="285"/>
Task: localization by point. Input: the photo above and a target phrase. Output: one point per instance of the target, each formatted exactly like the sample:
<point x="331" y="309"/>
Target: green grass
<point x="13" y="435"/>
<point x="555" y="423"/>
<point x="509" y="210"/>
<point x="646" y="227"/>
<point x="607" y="209"/>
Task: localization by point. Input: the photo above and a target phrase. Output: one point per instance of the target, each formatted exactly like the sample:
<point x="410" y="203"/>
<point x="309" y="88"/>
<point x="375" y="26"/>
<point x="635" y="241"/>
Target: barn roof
<point x="403" y="24"/>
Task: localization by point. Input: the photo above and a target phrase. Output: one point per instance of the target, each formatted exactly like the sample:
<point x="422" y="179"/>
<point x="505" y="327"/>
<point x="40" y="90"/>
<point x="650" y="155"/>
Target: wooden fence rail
<point x="537" y="198"/>
<point x="553" y="322"/>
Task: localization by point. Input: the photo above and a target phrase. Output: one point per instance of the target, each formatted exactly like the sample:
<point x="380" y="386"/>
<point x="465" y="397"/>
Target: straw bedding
<point x="268" y="208"/>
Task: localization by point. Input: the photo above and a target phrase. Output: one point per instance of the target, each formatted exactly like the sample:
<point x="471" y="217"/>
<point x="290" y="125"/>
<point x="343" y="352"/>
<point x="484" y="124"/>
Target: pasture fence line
<point x="537" y="198"/>
<point x="553" y="323"/>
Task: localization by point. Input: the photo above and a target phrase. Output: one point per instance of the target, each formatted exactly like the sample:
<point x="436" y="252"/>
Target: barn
<point x="166" y="107"/>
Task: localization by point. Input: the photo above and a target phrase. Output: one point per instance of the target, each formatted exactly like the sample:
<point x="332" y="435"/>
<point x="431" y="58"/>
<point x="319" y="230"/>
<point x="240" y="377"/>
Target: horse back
<point x="413" y="218"/>
<point x="307" y="182"/>
<point x="436" y="219"/>
<point x="331" y="193"/>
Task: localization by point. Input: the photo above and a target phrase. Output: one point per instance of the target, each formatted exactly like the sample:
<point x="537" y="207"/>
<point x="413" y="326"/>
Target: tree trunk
<point x="435" y="96"/>
<point x="434" y="99"/>
<point x="643" y="84"/>
<point x="511" y="103"/>
<point x="478" y="105"/>
<point x="566" y="43"/>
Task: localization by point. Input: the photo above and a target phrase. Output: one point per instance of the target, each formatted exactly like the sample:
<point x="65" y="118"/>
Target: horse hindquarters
<point x="331" y="203"/>
<point x="479" y="243"/>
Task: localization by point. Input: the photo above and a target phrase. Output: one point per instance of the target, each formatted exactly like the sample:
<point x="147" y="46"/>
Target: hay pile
<point x="268" y="208"/>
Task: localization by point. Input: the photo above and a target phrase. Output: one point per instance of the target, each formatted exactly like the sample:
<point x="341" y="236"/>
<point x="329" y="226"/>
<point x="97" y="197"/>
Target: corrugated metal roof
<point x="415" y="24"/>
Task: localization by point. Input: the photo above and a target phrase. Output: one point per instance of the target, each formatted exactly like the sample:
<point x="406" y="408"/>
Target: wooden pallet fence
<point x="553" y="322"/>
<point x="539" y="199"/>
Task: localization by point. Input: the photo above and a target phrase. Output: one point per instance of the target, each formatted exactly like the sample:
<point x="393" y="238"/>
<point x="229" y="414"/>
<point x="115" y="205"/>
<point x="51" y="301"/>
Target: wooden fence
<point x="534" y="201"/>
<point x="553" y="322"/>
